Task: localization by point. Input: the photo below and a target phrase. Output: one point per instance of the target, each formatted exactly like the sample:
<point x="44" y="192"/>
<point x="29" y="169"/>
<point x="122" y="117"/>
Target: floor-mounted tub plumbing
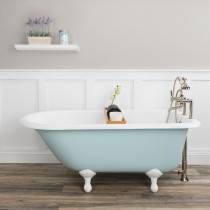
<point x="180" y="107"/>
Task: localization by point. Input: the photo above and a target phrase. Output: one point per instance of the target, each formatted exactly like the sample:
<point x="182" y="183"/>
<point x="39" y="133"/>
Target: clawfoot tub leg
<point x="87" y="174"/>
<point x="154" y="174"/>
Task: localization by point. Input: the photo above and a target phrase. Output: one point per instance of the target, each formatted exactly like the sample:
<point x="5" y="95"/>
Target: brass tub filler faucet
<point x="180" y="103"/>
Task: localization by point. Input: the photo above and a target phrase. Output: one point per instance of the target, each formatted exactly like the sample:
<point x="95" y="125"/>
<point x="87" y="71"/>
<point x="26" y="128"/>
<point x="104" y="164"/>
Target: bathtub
<point x="83" y="142"/>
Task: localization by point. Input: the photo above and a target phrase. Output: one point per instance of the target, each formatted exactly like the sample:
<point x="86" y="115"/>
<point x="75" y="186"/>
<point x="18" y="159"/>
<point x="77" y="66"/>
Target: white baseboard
<point x="199" y="156"/>
<point x="27" y="157"/>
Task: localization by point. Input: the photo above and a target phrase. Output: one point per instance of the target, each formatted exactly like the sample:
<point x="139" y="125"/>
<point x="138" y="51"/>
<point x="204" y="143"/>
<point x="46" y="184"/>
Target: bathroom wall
<point x="116" y="34"/>
<point x="112" y="34"/>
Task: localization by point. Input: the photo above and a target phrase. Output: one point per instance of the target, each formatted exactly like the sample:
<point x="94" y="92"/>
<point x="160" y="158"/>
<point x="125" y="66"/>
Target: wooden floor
<point x="52" y="186"/>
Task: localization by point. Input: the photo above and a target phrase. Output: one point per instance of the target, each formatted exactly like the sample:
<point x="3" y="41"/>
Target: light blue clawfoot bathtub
<point x="90" y="147"/>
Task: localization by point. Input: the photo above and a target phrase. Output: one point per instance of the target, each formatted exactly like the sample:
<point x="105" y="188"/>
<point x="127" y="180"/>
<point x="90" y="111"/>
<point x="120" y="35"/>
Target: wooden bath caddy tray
<point x="123" y="121"/>
<point x="116" y="122"/>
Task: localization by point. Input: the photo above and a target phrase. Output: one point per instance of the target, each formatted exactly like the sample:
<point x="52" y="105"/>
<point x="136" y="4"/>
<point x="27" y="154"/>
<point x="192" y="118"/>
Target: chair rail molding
<point x="24" y="91"/>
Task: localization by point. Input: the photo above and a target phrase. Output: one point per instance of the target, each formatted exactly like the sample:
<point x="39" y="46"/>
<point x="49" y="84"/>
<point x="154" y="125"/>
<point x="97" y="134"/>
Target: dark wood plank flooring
<point x="54" y="187"/>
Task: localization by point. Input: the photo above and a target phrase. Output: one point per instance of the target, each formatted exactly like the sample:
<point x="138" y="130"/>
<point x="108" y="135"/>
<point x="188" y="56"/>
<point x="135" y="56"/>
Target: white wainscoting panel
<point x="65" y="94"/>
<point x="200" y="138"/>
<point x="27" y="91"/>
<point x="152" y="94"/>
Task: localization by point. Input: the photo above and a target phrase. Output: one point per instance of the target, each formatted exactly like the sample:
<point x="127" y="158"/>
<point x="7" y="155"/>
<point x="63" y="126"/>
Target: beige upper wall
<point x="112" y="33"/>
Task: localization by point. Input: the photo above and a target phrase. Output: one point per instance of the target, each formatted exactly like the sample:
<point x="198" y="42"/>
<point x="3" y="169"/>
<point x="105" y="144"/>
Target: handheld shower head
<point x="184" y="85"/>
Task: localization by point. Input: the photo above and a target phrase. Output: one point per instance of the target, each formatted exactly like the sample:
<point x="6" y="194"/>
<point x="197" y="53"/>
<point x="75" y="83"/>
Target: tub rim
<point x="27" y="122"/>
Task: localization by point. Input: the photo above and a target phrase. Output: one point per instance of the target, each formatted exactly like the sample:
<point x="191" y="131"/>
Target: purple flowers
<point x="39" y="26"/>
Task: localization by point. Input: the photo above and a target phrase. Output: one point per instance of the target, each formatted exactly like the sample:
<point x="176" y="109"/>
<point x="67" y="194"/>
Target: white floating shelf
<point x="51" y="47"/>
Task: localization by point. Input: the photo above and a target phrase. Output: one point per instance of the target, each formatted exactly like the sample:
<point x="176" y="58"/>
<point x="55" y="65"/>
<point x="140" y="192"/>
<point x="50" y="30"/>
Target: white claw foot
<point x="154" y="174"/>
<point x="87" y="174"/>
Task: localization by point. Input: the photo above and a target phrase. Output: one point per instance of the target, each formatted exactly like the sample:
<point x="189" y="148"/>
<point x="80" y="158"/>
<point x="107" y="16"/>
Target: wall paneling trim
<point x="27" y="91"/>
